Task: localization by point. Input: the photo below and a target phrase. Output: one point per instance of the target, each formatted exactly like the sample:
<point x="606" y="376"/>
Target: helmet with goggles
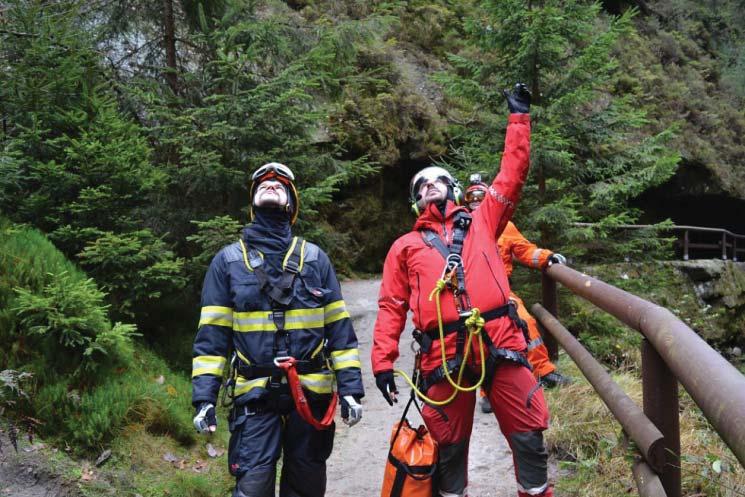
<point x="277" y="172"/>
<point x="476" y="190"/>
<point x="432" y="174"/>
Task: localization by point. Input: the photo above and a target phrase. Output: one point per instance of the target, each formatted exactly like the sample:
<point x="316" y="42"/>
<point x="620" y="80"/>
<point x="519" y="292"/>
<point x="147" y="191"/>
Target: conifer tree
<point x="590" y="155"/>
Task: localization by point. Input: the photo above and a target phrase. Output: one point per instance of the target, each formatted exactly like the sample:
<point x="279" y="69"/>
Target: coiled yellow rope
<point x="474" y="324"/>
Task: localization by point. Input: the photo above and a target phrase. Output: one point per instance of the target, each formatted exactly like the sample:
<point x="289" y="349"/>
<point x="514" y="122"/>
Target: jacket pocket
<point x="246" y="294"/>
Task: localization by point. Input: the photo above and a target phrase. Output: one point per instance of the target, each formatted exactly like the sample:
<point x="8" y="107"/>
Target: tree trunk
<point x="169" y="40"/>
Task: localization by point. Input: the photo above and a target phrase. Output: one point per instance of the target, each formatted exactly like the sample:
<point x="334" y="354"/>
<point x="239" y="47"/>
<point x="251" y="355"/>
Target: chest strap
<point x="280" y="293"/>
<point x="452" y="253"/>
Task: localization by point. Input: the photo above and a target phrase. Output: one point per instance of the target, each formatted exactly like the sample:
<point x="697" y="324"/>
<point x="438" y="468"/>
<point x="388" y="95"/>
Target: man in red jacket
<point x="448" y="274"/>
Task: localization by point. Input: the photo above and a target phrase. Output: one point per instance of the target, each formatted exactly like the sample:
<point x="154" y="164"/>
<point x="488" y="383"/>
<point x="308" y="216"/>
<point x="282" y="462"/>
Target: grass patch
<point x="594" y="458"/>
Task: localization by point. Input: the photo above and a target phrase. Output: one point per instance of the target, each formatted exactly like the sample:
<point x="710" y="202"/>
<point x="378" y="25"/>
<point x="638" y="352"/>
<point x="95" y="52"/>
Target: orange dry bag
<point x="412" y="460"/>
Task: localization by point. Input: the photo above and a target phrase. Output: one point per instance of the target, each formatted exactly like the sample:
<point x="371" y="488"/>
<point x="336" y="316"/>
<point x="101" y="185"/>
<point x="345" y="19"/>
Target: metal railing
<point x="726" y="241"/>
<point x="671" y="353"/>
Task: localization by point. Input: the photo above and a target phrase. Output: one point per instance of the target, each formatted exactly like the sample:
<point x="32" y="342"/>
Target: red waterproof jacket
<point x="412" y="268"/>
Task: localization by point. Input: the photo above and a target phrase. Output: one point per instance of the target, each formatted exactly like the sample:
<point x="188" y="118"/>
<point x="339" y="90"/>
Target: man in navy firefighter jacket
<point x="448" y="274"/>
<point x="271" y="304"/>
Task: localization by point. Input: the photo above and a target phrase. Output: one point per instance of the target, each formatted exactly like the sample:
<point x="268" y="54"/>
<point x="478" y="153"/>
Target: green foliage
<point x="89" y="418"/>
<point x="69" y="319"/>
<point x="211" y="236"/>
<point x="87" y="170"/>
<point x="13" y="386"/>
<point x="59" y="311"/>
<point x="589" y="157"/>
<point x="134" y="268"/>
<point x="88" y="380"/>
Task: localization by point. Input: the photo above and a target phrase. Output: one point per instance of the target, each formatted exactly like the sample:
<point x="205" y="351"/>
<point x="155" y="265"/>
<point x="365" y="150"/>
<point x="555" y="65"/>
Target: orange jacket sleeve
<point x="512" y="244"/>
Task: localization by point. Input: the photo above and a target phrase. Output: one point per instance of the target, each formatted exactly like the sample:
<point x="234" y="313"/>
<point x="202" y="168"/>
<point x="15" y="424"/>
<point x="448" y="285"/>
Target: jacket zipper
<point x="494" y="276"/>
<point x="418" y="297"/>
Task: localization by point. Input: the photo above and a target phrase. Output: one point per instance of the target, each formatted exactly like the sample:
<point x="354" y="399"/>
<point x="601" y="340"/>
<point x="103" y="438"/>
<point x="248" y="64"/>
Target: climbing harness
<point x="284" y="365"/>
<point x="470" y="324"/>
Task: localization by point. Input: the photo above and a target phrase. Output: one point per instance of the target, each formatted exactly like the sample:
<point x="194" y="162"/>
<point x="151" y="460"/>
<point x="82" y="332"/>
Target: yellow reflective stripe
<point x="207" y="364"/>
<point x="318" y="382"/>
<point x="334" y="312"/>
<point x="317" y="349"/>
<point x="242" y="357"/>
<point x="216" y="315"/>
<point x="302" y="257"/>
<point x="349" y="358"/>
<point x="295" y="319"/>
<point x="243" y="385"/>
<point x="289" y="252"/>
<point x="245" y="255"/>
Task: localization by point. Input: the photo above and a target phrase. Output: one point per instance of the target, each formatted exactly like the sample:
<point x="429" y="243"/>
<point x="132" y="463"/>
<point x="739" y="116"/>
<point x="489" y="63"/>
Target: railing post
<point x="734" y="249"/>
<point x="685" y="245"/>
<point x="724" y="246"/>
<point x="550" y="300"/>
<point x="660" y="396"/>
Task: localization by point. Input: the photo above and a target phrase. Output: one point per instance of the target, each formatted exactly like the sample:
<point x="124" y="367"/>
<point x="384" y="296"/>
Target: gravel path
<point x="357" y="463"/>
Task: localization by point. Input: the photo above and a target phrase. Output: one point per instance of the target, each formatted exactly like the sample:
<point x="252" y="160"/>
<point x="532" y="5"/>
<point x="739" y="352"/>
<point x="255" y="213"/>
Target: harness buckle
<point x="278" y="361"/>
<point x="292" y="266"/>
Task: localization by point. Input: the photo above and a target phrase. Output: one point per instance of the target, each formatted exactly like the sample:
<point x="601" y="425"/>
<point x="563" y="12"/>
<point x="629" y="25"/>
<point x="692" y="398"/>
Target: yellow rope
<point x="474" y="324"/>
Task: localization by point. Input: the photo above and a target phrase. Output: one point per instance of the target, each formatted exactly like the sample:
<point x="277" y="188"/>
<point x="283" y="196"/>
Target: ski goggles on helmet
<point x="475" y="195"/>
<point x="273" y="170"/>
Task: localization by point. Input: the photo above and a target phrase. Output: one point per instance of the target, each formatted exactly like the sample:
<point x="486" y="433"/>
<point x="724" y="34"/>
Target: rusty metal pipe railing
<point x="550" y="300"/>
<point x="716" y="386"/>
<point x="661" y="402"/>
<point x="637" y="426"/>
<point x="647" y="481"/>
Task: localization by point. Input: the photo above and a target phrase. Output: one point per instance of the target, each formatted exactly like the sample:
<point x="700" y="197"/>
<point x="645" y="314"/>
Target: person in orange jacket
<point x="513" y="245"/>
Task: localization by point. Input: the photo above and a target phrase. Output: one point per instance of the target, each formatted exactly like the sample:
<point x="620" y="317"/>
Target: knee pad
<point x="452" y="469"/>
<point x="531" y="462"/>
<point x="255" y="483"/>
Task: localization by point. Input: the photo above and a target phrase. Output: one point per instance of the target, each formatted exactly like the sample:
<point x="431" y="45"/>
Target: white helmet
<point x="433" y="173"/>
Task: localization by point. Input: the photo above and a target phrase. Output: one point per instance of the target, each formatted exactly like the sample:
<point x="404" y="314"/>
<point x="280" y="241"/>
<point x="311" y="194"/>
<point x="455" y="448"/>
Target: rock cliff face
<point x="717" y="283"/>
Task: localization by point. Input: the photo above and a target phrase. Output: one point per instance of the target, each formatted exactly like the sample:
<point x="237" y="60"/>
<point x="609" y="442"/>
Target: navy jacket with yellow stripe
<point x="235" y="309"/>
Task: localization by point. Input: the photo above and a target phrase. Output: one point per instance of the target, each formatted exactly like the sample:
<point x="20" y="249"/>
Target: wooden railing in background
<point x="726" y="241"/>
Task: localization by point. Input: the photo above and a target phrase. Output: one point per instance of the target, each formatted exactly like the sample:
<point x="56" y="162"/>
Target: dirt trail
<point x="357" y="463"/>
<point x="26" y="474"/>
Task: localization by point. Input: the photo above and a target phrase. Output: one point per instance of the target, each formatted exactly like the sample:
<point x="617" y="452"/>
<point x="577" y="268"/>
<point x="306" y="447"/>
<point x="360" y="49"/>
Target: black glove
<point x="387" y="386"/>
<point x="205" y="419"/>
<point x="518" y="100"/>
<point x="556" y="259"/>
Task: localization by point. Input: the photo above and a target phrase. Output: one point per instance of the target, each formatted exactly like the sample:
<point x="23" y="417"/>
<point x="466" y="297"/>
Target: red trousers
<point x="521" y="422"/>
